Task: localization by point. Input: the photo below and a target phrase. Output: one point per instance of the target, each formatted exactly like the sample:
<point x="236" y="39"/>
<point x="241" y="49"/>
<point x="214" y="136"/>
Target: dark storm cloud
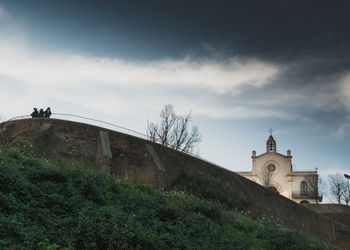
<point x="278" y="30"/>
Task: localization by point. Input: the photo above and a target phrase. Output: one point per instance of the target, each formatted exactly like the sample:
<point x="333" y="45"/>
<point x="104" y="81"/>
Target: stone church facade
<point x="275" y="171"/>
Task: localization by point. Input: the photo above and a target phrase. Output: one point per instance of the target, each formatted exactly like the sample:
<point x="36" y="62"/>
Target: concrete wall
<point x="141" y="161"/>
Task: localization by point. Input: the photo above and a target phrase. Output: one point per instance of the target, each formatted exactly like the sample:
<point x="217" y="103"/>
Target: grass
<point x="45" y="205"/>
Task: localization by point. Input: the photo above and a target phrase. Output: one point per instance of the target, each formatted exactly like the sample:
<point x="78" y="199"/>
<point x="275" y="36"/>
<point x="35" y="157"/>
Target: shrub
<point x="47" y="205"/>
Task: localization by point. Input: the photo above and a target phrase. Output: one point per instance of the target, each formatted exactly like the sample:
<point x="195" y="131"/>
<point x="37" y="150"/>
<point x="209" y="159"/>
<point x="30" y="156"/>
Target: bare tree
<point x="316" y="187"/>
<point x="174" y="131"/>
<point x="266" y="176"/>
<point x="337" y="187"/>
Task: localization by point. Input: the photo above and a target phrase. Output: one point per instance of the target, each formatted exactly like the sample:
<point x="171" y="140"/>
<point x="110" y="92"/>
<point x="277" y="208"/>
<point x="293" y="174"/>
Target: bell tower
<point x="271" y="144"/>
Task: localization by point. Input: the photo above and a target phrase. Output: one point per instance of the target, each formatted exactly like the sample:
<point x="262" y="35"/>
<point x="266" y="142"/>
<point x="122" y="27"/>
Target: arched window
<point x="303" y="187"/>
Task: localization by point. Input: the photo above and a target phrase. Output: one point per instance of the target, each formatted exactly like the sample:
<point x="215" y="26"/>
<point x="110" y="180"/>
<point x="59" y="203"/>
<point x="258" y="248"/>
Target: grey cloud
<point x="278" y="30"/>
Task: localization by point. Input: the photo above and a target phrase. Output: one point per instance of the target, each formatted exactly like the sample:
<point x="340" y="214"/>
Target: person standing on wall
<point x="48" y="112"/>
<point x="41" y="113"/>
<point x="35" y="113"/>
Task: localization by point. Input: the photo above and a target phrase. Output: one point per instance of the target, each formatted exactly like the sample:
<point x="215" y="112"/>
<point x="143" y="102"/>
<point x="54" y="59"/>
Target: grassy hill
<point x="48" y="205"/>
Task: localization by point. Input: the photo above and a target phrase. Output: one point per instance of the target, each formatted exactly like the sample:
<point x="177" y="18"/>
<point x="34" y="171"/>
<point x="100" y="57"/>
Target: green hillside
<point x="46" y="205"/>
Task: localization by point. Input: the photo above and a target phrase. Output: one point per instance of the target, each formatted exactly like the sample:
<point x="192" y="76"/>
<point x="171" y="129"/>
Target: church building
<point x="275" y="171"/>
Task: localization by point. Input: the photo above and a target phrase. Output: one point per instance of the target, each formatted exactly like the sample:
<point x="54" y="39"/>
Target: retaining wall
<point x="142" y="161"/>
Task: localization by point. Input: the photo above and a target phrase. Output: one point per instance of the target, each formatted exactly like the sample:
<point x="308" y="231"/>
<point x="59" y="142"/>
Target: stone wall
<point x="142" y="161"/>
<point x="337" y="212"/>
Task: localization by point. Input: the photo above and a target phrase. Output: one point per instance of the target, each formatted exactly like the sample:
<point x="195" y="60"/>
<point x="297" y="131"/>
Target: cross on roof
<point x="270" y="131"/>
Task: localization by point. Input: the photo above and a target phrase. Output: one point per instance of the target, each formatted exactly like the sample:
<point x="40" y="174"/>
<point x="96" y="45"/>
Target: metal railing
<point x="82" y="119"/>
<point x="107" y="125"/>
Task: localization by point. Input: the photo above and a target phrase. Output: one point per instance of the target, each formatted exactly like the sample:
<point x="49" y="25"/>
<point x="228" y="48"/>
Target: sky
<point x="240" y="68"/>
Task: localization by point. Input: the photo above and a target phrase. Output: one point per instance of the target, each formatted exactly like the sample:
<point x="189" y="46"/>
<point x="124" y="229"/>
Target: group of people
<point x="41" y="113"/>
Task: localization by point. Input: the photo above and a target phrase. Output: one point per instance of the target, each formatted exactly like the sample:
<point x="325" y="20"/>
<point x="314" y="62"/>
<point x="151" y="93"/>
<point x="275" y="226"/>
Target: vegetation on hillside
<point x="47" y="205"/>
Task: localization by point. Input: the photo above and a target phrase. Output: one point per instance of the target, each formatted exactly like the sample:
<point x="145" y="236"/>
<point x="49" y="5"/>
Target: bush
<point x="47" y="205"/>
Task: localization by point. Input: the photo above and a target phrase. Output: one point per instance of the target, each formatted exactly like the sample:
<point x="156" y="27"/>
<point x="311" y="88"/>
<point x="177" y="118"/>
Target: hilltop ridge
<point x="143" y="162"/>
